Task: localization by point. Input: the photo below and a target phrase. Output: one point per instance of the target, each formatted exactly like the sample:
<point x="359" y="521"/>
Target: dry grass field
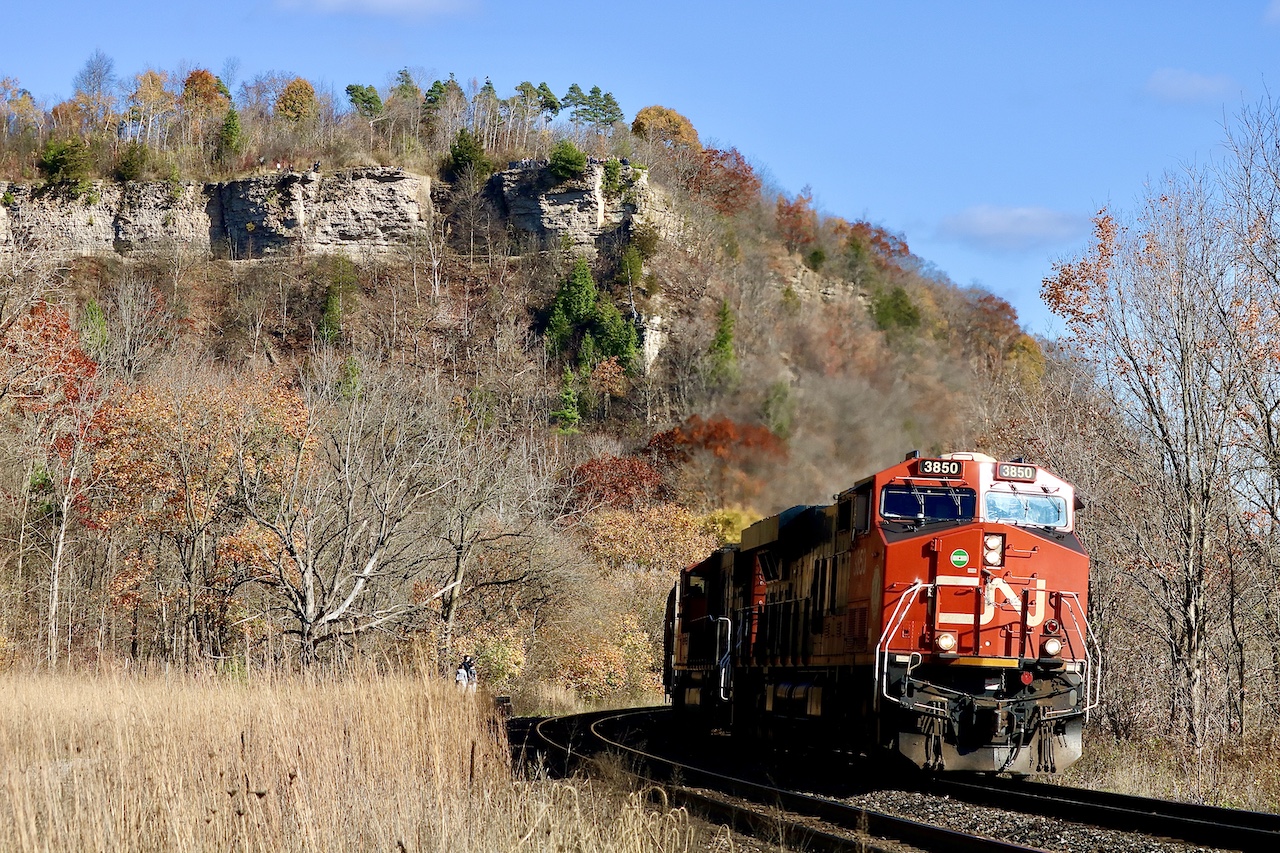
<point x="387" y="763"/>
<point x="1230" y="776"/>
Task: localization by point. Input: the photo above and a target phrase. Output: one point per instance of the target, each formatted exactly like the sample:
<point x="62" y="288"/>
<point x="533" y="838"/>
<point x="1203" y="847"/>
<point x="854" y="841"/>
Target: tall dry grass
<point x="1240" y="776"/>
<point x="363" y="763"/>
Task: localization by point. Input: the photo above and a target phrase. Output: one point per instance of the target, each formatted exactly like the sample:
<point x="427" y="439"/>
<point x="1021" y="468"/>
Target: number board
<point x="1014" y="471"/>
<point x="938" y="468"/>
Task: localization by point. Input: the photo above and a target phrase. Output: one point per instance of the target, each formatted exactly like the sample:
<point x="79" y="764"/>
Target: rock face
<point x="358" y="210"/>
<point x="579" y="210"/>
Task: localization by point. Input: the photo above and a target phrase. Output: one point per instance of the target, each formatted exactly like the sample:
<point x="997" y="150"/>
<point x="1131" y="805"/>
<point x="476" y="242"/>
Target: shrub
<point x="612" y="177"/>
<point x="343" y="281"/>
<point x="8" y="199"/>
<point x="467" y="152"/>
<point x="894" y="310"/>
<point x="131" y="165"/>
<point x="645" y="239"/>
<point x="65" y="163"/>
<point x="567" y="161"/>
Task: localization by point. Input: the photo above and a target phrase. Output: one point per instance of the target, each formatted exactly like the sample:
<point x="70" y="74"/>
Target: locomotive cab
<point x="985" y="660"/>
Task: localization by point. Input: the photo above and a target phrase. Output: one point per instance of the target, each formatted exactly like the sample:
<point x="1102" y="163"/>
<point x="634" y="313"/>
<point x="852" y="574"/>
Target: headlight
<point x="993" y="549"/>
<point x="945" y="642"/>
<point x="1052" y="647"/>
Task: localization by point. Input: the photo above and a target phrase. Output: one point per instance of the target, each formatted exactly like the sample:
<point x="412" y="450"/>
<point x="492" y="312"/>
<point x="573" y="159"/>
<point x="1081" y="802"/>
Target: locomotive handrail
<point x="723" y="662"/>
<point x="879" y="671"/>
<point x="1092" y="669"/>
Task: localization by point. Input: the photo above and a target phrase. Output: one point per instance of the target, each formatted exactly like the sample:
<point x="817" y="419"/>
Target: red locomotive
<point x="937" y="609"/>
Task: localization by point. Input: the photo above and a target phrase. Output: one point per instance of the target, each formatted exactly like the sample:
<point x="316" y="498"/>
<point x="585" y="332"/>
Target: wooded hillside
<point x="480" y="441"/>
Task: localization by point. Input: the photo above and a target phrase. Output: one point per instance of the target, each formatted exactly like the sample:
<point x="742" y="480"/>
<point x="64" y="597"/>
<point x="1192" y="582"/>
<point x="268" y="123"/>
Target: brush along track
<point x="562" y="742"/>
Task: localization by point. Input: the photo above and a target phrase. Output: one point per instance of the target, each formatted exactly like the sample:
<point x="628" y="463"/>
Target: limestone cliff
<point x="359" y="210"/>
<point x="364" y="210"/>
<point x="581" y="210"/>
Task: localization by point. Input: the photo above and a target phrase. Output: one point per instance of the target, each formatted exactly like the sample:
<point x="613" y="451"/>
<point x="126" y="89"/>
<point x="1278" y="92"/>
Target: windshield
<point x="929" y="503"/>
<point x="1023" y="508"/>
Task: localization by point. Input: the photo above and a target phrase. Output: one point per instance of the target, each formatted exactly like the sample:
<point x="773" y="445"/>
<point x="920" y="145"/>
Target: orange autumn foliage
<point x="723" y="438"/>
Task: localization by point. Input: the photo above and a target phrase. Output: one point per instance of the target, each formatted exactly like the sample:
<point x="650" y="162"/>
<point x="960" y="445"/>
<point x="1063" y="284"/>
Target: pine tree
<point x="466" y="151"/>
<point x="230" y="140"/>
<point x="568" y="415"/>
<point x="365" y="100"/>
<point x="617" y="336"/>
<point x="722" y="364"/>
<point x="559" y="329"/>
<point x="580" y="293"/>
<point x="567" y="161"/>
<point x="550" y="103"/>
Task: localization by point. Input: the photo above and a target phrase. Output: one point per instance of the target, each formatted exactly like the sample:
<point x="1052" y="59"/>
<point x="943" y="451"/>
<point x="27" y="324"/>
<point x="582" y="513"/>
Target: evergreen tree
<point x="580" y="293"/>
<point x="559" y="329"/>
<point x="406" y="88"/>
<point x="436" y="94"/>
<point x="567" y="161"/>
<point x="550" y="103"/>
<point x="722" y="363"/>
<point x="365" y="100"/>
<point x="66" y="163"/>
<point x="230" y="139"/>
<point x="568" y="415"/>
<point x="575" y="97"/>
<point x="631" y="269"/>
<point x="466" y="150"/>
<point x="618" y="336"/>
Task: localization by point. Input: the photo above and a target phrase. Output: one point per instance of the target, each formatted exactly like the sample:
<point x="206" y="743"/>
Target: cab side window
<point x="862" y="509"/>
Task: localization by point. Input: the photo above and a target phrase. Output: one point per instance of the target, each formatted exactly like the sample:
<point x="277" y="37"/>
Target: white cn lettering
<point x="1035" y="611"/>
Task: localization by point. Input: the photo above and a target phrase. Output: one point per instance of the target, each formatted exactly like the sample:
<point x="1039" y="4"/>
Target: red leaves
<point x="725" y="439"/>
<point x="619" y="482"/>
<point x="726" y="181"/>
<point x="1075" y="289"/>
<point x="44" y="365"/>
<point x="882" y="246"/>
<point x="797" y="221"/>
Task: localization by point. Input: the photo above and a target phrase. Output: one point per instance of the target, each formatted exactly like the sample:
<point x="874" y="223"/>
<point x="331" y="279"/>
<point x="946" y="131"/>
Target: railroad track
<point x="1197" y="824"/>
<point x="562" y="742"/>
<point x="621" y="732"/>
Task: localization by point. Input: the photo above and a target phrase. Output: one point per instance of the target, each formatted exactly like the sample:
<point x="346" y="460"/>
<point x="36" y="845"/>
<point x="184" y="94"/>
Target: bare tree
<point x="347" y="514"/>
<point x="96" y="88"/>
<point x="1148" y="307"/>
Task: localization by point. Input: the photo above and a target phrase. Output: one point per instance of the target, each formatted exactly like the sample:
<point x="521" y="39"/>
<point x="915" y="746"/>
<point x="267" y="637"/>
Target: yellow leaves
<point x="599" y="659"/>
<point x="662" y="537"/>
<point x="727" y="523"/>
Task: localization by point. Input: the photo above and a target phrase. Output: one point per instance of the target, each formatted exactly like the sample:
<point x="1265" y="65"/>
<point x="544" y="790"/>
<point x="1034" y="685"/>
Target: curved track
<point x="625" y="733"/>
<point x="568" y="739"/>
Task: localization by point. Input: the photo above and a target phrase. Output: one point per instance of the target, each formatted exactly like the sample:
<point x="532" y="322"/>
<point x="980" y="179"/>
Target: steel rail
<point x="1199" y="824"/>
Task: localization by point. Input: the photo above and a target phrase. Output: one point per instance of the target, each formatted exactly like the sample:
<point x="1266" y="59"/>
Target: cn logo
<point x="996" y="586"/>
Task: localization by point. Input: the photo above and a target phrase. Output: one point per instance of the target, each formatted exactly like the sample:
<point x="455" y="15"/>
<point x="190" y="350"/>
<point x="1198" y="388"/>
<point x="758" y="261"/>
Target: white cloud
<point x="1013" y="229"/>
<point x="1272" y="15"/>
<point x="391" y="8"/>
<point x="1179" y="86"/>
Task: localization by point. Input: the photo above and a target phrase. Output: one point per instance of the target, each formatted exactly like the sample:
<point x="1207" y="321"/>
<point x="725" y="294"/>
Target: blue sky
<point x="986" y="132"/>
